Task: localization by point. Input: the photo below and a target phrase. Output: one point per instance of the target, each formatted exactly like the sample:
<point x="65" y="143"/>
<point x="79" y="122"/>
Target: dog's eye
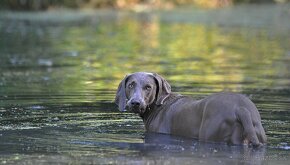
<point x="148" y="87"/>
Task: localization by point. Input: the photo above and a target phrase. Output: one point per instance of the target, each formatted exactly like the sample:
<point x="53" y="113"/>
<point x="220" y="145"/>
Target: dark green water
<point x="59" y="72"/>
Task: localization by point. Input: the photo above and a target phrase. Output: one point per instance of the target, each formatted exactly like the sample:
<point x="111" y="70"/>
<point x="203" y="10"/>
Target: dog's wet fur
<point x="222" y="117"/>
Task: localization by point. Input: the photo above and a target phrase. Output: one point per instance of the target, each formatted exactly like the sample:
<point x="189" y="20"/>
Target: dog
<point x="222" y="117"/>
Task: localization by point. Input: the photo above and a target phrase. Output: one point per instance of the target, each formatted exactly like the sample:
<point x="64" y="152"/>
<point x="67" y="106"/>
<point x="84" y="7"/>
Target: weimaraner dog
<point x="223" y="117"/>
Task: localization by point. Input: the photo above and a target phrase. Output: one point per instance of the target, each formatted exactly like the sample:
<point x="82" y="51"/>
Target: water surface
<point x="59" y="71"/>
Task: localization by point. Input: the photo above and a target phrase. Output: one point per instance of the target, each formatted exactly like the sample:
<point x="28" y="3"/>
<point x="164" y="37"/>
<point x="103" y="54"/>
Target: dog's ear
<point x="121" y="97"/>
<point x="163" y="90"/>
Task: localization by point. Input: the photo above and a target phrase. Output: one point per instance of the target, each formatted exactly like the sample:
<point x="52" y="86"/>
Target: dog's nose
<point x="135" y="103"/>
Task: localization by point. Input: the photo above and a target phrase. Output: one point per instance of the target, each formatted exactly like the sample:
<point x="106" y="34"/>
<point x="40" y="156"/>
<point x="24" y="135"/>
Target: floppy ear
<point x="121" y="98"/>
<point x="164" y="89"/>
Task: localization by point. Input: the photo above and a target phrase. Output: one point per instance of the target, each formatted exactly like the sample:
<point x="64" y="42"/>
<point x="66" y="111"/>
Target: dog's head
<point x="138" y="91"/>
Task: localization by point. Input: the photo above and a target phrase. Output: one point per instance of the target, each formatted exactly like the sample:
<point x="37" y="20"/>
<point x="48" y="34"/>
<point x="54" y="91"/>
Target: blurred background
<point x="95" y="4"/>
<point x="61" y="62"/>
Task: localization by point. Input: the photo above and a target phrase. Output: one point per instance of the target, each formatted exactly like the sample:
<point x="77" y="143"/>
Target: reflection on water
<point x="58" y="76"/>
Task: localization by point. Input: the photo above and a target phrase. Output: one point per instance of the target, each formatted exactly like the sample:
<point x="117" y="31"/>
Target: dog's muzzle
<point x="136" y="106"/>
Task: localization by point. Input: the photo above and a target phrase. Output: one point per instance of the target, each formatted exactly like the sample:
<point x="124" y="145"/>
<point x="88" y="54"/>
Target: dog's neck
<point x="148" y="111"/>
<point x="153" y="110"/>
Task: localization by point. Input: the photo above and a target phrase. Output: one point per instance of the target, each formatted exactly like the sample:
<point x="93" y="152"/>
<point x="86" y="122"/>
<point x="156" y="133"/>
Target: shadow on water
<point x="59" y="72"/>
<point x="174" y="150"/>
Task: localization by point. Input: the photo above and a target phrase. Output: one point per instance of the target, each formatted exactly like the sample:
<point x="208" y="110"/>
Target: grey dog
<point x="222" y="117"/>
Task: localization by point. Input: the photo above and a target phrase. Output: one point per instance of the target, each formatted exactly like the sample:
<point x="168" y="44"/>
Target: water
<point x="59" y="72"/>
